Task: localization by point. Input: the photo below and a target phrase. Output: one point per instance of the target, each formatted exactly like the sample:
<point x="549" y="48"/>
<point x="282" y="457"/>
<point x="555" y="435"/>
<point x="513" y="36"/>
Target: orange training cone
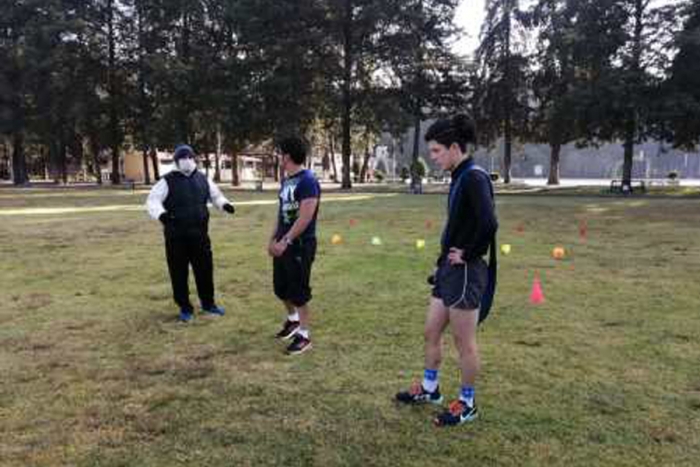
<point x="536" y="296"/>
<point x="558" y="252"/>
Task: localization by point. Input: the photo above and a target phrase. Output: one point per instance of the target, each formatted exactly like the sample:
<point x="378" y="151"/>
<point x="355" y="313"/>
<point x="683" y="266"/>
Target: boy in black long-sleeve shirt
<point x="463" y="285"/>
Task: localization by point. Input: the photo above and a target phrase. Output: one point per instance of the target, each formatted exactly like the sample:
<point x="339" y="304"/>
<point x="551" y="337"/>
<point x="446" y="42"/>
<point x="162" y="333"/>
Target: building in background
<point x="252" y="164"/>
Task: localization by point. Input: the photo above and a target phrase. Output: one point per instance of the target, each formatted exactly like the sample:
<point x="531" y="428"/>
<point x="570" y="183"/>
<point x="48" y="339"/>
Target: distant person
<point x="463" y="285"/>
<point x="179" y="201"/>
<point x="293" y="243"/>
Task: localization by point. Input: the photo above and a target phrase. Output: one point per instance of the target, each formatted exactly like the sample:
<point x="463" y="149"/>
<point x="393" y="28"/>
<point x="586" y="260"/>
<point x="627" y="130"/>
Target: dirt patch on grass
<point x="664" y="435"/>
<point x="32" y="301"/>
<point x="181" y="368"/>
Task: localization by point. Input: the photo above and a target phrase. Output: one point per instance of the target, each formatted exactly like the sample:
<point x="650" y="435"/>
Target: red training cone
<point x="583" y="230"/>
<point x="520" y="228"/>
<point x="537" y="296"/>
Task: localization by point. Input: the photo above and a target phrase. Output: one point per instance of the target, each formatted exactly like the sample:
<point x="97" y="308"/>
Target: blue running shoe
<point x="186" y="316"/>
<point x="213" y="311"/>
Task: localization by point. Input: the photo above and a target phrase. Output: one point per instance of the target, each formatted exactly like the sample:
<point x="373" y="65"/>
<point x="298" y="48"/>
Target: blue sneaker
<point x="186" y="316"/>
<point x="213" y="310"/>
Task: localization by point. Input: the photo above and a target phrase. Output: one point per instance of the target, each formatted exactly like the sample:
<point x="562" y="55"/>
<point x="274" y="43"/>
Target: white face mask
<point x="186" y="165"/>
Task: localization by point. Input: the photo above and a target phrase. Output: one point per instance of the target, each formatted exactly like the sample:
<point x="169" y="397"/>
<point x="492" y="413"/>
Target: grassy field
<point x="96" y="372"/>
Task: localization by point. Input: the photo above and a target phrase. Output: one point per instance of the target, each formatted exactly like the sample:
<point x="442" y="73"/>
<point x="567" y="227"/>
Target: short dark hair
<point x="294" y="147"/>
<point x="459" y="129"/>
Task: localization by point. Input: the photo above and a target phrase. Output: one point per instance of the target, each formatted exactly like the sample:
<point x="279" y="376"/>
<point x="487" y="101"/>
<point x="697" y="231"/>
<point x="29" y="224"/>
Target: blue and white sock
<point x="430" y="380"/>
<point x="466" y="395"/>
<point x="303" y="333"/>
<point x="293" y="316"/>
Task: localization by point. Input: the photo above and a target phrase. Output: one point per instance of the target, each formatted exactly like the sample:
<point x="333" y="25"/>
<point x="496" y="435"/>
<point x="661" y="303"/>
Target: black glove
<point x="228" y="207"/>
<point x="163" y="218"/>
<point x="431" y="279"/>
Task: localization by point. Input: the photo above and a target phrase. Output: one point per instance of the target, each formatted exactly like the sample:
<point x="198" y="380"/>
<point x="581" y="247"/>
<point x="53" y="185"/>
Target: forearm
<point x="154" y="203"/>
<point x="217" y="197"/>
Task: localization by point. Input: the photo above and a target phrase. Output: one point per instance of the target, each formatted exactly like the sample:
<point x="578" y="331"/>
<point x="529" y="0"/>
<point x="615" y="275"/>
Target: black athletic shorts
<point x="461" y="286"/>
<point x="292" y="272"/>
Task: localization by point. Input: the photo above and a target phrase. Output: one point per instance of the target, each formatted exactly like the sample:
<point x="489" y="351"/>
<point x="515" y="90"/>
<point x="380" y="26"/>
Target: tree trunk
<point x="76" y="148"/>
<point x="365" y="166"/>
<point x="217" y="156"/>
<point x="6" y="161"/>
<point x="326" y="163"/>
<point x="154" y="161"/>
<point x="554" y="160"/>
<point x="112" y="86"/>
<point x="63" y="161"/>
<point x="392" y="156"/>
<point x="347" y="97"/>
<point x="116" y="175"/>
<point x="54" y="164"/>
<point x="334" y="165"/>
<point x="45" y="162"/>
<point x="185" y="124"/>
<point x="629" y="155"/>
<point x="19" y="161"/>
<point x="146" y="170"/>
<point x="365" y="162"/>
<point x="633" y="89"/>
<point x="507" y="158"/>
<point x="507" y="110"/>
<point x="416" y="178"/>
<point x="95" y="154"/>
<point x="235" y="181"/>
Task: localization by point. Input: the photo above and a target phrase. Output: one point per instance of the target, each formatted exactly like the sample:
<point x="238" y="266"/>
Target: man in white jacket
<point x="179" y="201"/>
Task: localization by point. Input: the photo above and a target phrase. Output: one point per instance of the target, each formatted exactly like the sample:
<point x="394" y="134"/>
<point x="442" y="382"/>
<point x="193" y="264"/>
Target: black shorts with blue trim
<point x="292" y="272"/>
<point x="461" y="286"/>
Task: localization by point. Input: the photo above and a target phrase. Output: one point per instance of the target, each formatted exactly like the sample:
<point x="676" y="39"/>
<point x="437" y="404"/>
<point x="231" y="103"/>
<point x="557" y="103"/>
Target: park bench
<point x="616" y="186"/>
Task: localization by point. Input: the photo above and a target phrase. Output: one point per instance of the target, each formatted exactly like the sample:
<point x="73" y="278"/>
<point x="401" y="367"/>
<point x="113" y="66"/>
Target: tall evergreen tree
<point x="683" y="86"/>
<point x="428" y="78"/>
<point x="501" y="99"/>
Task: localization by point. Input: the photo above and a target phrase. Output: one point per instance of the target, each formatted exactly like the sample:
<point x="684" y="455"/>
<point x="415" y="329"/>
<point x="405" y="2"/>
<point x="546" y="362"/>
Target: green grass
<point x="96" y="372"/>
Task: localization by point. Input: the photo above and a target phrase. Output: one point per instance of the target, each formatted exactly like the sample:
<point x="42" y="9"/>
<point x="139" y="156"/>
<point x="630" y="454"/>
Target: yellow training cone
<point x="558" y="252"/>
<point x="376" y="241"/>
<point x="505" y="249"/>
<point x="420" y="244"/>
<point x="336" y="239"/>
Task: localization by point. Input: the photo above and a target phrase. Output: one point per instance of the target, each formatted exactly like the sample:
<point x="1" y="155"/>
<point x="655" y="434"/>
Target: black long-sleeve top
<point x="471" y="223"/>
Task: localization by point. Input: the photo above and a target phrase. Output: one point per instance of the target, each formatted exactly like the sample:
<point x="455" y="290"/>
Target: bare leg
<point x="289" y="306"/>
<point x="436" y="320"/>
<point x="464" y="324"/>
<point x="304" y="316"/>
